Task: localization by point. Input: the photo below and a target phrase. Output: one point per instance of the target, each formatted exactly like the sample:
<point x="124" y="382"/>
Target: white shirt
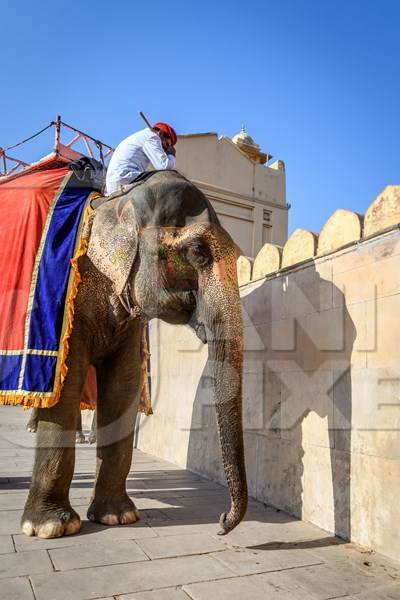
<point x="132" y="157"/>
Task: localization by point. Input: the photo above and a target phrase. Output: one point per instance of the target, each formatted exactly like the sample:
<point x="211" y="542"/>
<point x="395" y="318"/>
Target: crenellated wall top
<point x="342" y="229"/>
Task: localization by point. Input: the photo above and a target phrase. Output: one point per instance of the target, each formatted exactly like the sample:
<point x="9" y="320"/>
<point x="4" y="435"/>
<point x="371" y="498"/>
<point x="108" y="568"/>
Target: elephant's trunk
<point x="220" y="310"/>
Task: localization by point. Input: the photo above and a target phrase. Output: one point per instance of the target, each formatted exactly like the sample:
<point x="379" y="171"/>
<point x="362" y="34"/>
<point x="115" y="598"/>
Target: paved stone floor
<point x="173" y="553"/>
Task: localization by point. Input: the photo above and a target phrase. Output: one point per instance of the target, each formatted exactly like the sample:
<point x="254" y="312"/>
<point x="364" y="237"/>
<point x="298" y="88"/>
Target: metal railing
<point x="66" y="139"/>
<point x="10" y="165"/>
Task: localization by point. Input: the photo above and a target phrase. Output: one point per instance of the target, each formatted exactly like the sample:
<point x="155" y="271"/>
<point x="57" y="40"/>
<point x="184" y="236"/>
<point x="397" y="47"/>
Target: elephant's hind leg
<point x="80" y="437"/>
<point x="33" y="421"/>
<point x="93" y="429"/>
<point x="118" y="397"/>
<point x="48" y="512"/>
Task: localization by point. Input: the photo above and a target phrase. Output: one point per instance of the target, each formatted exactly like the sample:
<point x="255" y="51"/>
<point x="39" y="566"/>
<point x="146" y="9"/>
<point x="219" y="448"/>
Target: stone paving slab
<point x="264" y="533"/>
<point x="109" y="553"/>
<point x="323" y="582"/>
<point x="178" y="527"/>
<point x="87" y="584"/>
<point x="11" y="501"/>
<point x="16" y="588"/>
<point x="6" y="544"/>
<point x="10" y="521"/>
<point x="238" y="588"/>
<point x="24" y="563"/>
<point x="283" y="586"/>
<point x="180" y="545"/>
<point x="174" y="552"/>
<point x="144" y="502"/>
<point x="362" y="558"/>
<point x="391" y="592"/>
<point x="243" y="561"/>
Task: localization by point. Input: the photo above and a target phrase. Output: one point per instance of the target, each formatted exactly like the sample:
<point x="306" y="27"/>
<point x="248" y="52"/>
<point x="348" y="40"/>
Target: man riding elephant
<point x="134" y="154"/>
<point x="155" y="251"/>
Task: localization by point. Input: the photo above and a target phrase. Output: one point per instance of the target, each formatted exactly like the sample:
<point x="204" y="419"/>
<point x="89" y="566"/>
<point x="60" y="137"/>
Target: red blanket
<point x="41" y="216"/>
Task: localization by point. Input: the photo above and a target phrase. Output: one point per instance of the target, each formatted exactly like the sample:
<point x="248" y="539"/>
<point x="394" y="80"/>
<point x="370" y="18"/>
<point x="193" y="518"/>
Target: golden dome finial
<point x="246" y="143"/>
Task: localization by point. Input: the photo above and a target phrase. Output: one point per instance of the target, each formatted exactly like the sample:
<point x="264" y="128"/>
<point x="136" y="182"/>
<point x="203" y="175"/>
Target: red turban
<point x="168" y="130"/>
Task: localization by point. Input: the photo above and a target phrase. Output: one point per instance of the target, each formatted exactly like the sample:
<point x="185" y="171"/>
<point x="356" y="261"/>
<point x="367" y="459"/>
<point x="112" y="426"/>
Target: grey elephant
<point x="155" y="251"/>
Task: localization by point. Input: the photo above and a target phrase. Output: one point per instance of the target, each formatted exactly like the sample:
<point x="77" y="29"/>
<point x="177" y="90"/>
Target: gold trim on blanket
<point x="29" y="351"/>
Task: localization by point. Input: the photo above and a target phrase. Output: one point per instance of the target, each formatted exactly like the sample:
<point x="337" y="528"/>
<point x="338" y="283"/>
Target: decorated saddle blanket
<point x="41" y="214"/>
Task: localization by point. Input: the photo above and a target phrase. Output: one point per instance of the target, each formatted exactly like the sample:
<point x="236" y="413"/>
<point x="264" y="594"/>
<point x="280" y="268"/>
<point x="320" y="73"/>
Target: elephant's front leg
<point x="117" y="404"/>
<point x="48" y="512"/>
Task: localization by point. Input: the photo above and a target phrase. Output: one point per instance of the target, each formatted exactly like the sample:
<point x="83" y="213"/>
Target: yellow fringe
<point x="82" y="250"/>
<point x="87" y="406"/>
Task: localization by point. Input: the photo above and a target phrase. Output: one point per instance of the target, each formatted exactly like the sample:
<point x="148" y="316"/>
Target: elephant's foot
<point x="32" y="426"/>
<point x="113" y="512"/>
<point x="80" y="438"/>
<point x="50" y="523"/>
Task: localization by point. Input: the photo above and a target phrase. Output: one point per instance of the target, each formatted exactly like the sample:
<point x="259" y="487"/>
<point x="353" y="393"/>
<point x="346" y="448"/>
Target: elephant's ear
<point x="113" y="240"/>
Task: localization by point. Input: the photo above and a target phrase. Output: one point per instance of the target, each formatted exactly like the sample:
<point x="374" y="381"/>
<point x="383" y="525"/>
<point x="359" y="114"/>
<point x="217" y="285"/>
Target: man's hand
<point x="171" y="150"/>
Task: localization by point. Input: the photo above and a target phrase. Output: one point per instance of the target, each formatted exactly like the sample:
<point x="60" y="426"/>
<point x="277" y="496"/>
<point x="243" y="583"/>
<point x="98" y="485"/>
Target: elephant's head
<point x="162" y="241"/>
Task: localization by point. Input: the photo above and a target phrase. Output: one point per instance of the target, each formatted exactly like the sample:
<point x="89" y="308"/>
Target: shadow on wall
<point x="297" y="402"/>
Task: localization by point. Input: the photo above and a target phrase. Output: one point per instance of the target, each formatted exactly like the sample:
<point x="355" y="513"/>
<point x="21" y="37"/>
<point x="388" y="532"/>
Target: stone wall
<point x="321" y="379"/>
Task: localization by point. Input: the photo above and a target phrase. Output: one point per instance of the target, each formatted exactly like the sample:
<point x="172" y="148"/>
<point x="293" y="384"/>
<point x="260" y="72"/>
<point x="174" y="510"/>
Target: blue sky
<point x="316" y="82"/>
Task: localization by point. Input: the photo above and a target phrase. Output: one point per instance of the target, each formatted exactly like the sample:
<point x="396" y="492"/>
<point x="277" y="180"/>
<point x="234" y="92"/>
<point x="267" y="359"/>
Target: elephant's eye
<point x="198" y="254"/>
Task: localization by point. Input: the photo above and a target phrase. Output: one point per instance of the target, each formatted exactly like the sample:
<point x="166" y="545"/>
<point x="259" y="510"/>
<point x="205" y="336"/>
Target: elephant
<point x="32" y="426"/>
<point x="154" y="250"/>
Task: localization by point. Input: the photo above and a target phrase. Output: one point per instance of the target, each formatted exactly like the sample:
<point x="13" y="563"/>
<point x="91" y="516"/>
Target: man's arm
<point x="157" y="156"/>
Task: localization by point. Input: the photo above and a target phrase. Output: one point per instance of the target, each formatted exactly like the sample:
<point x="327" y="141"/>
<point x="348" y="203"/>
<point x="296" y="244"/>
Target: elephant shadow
<point x="297" y="400"/>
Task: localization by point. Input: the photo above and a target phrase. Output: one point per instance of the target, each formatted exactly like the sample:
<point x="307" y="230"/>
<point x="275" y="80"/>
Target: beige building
<point x="248" y="196"/>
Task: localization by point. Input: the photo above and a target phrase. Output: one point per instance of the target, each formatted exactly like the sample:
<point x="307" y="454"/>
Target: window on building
<point x="267" y="217"/>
